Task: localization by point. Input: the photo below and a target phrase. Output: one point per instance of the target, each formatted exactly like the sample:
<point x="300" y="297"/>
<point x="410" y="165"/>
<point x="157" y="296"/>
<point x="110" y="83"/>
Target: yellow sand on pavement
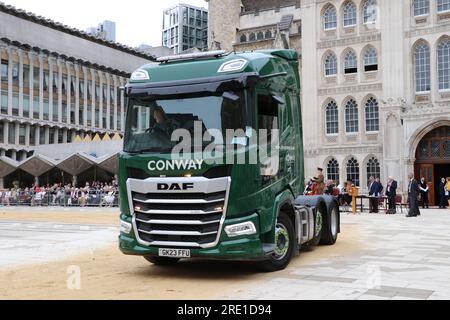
<point x="108" y="274"/>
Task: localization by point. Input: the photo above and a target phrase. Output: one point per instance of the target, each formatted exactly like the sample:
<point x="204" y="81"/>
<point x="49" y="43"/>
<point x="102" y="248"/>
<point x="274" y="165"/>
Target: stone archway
<point x="429" y="155"/>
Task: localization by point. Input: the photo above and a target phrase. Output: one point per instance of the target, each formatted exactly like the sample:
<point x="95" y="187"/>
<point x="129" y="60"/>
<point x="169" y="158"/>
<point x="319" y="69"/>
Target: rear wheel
<point x="284" y="245"/>
<point x="331" y="227"/>
<point x="162" y="261"/>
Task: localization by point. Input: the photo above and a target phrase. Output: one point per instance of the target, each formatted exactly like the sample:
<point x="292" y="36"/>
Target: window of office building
<point x="42" y="135"/>
<point x="12" y="133"/>
<point x="350" y="63"/>
<point x="36" y="107"/>
<point x="4" y="102"/>
<point x="422" y="67"/>
<point x="330" y="64"/>
<point x="329" y="18"/>
<point x="421" y="7"/>
<point x="2" y="130"/>
<point x="351" y="117"/>
<point x="4" y="71"/>
<point x="350" y="14"/>
<point x="46" y="109"/>
<point x="22" y="134"/>
<point x="15" y="104"/>
<point x="444" y="64"/>
<point x="443" y="5"/>
<point x="333" y="170"/>
<point x="370" y="11"/>
<point x="372" y="115"/>
<point x="52" y="133"/>
<point x="32" y="136"/>
<point x="332" y="118"/>
<point x="36" y="72"/>
<point x="370" y="59"/>
<point x="353" y="171"/>
<point x="373" y="169"/>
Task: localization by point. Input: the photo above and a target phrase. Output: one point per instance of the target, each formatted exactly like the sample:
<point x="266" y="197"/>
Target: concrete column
<point x="77" y="94"/>
<point x="85" y="95"/>
<point x="47" y="135"/>
<point x="114" y="125"/>
<point x="100" y="114"/>
<point x="6" y="132"/>
<point x="10" y="80"/>
<point x="122" y="107"/>
<point x="2" y="182"/>
<point x="36" y="181"/>
<point x="64" y="135"/>
<point x="69" y="91"/>
<point x="28" y="129"/>
<point x="41" y="87"/>
<point x="108" y="103"/>
<point x="31" y="58"/>
<point x="17" y="129"/>
<point x="93" y="97"/>
<point x="51" y="61"/>
<point x="74" y="180"/>
<point x="20" y="53"/>
<point x="59" y="63"/>
<point x="38" y="135"/>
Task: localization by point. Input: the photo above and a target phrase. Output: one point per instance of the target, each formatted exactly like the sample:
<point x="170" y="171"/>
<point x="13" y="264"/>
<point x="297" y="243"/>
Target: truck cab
<point x="212" y="165"/>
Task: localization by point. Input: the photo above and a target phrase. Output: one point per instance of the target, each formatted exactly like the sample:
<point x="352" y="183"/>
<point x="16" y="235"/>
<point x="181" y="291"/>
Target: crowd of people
<point x="91" y="194"/>
<point x="418" y="192"/>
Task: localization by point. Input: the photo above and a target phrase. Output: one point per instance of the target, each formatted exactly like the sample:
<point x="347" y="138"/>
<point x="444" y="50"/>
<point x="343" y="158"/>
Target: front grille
<point x="179" y="219"/>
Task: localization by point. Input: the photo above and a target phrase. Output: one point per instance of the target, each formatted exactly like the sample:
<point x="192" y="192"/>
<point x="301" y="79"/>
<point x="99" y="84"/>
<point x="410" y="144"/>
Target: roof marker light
<point x="140" y="75"/>
<point x="233" y="65"/>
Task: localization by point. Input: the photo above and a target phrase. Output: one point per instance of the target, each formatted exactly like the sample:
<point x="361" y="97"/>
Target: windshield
<point x="151" y="123"/>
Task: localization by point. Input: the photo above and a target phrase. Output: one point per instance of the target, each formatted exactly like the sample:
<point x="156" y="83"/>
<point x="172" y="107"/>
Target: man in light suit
<point x="413" y="192"/>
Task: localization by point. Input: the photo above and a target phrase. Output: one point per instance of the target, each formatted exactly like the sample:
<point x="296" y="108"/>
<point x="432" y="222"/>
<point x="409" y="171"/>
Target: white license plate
<point x="175" y="253"/>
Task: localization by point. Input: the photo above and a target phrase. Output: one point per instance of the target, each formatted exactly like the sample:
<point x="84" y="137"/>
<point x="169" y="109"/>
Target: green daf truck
<point x="186" y="193"/>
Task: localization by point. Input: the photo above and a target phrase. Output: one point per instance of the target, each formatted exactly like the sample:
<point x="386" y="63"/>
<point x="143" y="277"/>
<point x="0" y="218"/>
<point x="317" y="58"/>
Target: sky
<point x="137" y="21"/>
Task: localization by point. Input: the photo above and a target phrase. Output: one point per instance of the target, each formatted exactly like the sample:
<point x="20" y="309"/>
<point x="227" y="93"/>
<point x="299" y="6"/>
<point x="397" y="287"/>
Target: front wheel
<point x="284" y="245"/>
<point x="162" y="261"/>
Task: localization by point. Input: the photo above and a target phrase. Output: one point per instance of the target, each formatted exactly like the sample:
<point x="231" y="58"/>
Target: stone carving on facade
<point x="349" y="41"/>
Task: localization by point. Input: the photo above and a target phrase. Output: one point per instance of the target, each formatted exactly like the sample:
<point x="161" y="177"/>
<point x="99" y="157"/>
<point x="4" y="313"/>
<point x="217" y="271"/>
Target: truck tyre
<point x="331" y="226"/>
<point x="162" y="261"/>
<point x="284" y="245"/>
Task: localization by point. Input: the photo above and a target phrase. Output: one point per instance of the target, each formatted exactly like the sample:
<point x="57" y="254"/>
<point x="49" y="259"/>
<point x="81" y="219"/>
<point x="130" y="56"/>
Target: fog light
<point x="125" y="227"/>
<point x="241" y="229"/>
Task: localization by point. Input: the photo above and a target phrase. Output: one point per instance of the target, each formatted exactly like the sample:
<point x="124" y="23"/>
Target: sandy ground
<point x="109" y="216"/>
<point x="108" y="274"/>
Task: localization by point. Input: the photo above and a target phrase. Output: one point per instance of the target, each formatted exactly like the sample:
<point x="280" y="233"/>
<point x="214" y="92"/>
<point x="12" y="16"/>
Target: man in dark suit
<point x="391" y="193"/>
<point x="413" y="192"/>
<point x="375" y="189"/>
<point x="442" y="197"/>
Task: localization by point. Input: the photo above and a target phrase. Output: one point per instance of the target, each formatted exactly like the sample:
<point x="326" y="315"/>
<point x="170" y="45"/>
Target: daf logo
<point x="166" y="165"/>
<point x="175" y="186"/>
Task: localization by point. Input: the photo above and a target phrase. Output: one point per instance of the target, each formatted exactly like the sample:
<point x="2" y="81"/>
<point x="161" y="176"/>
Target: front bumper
<point x="236" y="248"/>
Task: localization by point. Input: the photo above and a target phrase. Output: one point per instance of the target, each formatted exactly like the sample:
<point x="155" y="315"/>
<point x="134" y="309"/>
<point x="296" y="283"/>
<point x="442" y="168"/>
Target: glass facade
<point x="60" y="93"/>
<point x="185" y="27"/>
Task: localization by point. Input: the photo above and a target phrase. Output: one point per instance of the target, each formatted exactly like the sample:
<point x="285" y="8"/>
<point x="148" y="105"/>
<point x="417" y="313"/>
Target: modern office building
<point x="375" y="79"/>
<point x="185" y="27"/>
<point x="57" y="85"/>
<point x="105" y="30"/>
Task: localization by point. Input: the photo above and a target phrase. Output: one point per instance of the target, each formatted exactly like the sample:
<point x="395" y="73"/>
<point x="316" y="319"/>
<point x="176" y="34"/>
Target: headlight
<point x="241" y="229"/>
<point x="233" y="65"/>
<point x="140" y="75"/>
<point x="125" y="227"/>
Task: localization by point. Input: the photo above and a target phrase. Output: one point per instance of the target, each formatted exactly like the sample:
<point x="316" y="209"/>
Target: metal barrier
<point x="94" y="198"/>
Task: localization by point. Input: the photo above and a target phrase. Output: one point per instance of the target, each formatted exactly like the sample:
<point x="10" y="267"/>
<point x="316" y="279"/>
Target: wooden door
<point x="427" y="171"/>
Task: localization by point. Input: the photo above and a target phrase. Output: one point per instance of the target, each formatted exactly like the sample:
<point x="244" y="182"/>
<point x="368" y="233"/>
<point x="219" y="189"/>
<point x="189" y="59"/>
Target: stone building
<point x="57" y="83"/>
<point x="375" y="79"/>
